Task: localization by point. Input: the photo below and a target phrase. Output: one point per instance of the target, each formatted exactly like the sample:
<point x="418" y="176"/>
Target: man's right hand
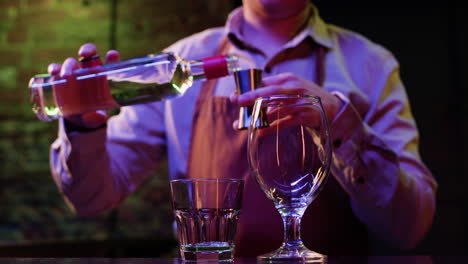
<point x="88" y="120"/>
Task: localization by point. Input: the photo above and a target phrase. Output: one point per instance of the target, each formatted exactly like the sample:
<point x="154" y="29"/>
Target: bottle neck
<point x="213" y="67"/>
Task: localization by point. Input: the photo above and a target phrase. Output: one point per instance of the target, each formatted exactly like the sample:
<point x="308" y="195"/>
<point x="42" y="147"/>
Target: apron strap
<point x="320" y="65"/>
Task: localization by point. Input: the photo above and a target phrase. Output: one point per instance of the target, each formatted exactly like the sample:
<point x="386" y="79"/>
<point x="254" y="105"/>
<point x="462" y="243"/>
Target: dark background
<point x="429" y="41"/>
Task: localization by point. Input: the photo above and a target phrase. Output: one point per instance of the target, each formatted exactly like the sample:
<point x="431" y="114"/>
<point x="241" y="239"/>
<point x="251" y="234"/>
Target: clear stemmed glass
<point x="289" y="155"/>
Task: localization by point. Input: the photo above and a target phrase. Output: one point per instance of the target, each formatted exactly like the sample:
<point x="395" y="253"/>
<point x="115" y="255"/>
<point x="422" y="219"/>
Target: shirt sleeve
<point x="98" y="169"/>
<point x="376" y="161"/>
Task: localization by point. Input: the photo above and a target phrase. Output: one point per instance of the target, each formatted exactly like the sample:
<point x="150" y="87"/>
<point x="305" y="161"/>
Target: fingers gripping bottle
<point x="135" y="81"/>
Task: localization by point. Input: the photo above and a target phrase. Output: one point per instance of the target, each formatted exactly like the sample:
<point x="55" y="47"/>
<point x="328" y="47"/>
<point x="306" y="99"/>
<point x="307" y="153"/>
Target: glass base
<point x="293" y="254"/>
<point x="207" y="252"/>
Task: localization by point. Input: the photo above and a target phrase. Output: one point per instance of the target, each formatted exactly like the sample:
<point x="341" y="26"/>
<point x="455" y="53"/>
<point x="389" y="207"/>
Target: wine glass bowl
<point x="289" y="155"/>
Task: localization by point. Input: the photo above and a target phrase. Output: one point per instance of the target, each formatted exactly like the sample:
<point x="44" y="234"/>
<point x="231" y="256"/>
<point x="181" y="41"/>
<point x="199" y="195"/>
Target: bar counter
<point x="331" y="260"/>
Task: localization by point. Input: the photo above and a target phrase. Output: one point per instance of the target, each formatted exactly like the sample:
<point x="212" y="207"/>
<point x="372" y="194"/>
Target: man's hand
<point x="88" y="120"/>
<point x="288" y="83"/>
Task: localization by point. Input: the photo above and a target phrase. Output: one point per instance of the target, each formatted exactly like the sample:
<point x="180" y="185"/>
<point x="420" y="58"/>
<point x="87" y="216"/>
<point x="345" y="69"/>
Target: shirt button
<point x="360" y="180"/>
<point x="267" y="69"/>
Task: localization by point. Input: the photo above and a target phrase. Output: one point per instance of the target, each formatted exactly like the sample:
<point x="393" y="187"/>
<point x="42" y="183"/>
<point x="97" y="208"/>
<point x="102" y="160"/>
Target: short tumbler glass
<point x="206" y="213"/>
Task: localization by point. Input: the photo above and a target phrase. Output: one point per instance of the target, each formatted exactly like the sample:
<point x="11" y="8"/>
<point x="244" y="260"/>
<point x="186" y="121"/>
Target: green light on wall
<point x="8" y="76"/>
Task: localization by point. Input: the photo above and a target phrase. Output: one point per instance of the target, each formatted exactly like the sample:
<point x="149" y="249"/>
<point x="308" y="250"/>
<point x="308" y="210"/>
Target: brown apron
<point x="219" y="151"/>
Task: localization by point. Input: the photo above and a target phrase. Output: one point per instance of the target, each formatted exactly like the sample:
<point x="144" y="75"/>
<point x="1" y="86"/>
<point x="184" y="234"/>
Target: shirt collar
<point x="316" y="29"/>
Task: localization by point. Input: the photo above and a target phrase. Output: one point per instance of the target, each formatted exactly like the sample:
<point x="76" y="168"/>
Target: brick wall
<point x="34" y="33"/>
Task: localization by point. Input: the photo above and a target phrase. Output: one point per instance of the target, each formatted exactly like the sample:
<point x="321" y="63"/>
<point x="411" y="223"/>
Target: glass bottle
<point x="139" y="80"/>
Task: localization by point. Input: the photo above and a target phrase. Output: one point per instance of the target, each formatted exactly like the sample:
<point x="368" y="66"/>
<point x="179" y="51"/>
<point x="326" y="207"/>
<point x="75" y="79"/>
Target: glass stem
<point x="292" y="229"/>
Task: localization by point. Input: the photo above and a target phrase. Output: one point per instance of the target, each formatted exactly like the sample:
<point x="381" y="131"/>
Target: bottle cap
<point x="215" y="67"/>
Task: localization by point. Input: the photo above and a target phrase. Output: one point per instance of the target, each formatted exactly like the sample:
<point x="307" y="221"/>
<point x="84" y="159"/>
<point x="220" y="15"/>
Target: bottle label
<point x="215" y="67"/>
